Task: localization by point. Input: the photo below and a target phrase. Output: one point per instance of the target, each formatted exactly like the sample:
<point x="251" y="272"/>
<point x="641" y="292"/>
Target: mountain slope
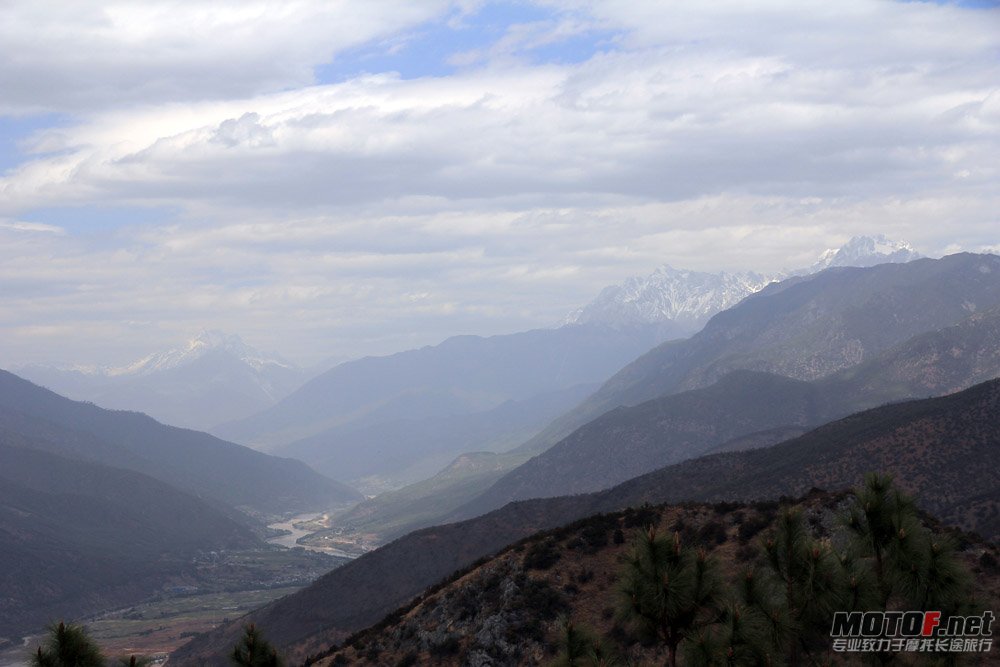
<point x="679" y="426"/>
<point x="627" y="442"/>
<point x="803" y="328"/>
<point x="189" y="460"/>
<point x="645" y="437"/>
<point x="933" y="446"/>
<point x="402" y="451"/>
<point x="213" y="378"/>
<point x="506" y="608"/>
<point x="462" y="375"/>
<point x="943" y="450"/>
<point x="76" y="537"/>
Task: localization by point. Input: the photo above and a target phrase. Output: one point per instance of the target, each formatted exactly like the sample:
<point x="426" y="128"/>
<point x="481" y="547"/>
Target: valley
<point x="805" y="384"/>
<point x="217" y="587"/>
<point x="499" y="333"/>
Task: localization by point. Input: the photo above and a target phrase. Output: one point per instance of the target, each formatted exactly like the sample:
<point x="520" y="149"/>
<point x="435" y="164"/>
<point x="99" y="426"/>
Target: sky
<point x="334" y="179"/>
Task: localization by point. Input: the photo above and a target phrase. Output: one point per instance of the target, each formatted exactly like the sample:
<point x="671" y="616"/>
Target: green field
<point x="157" y="627"/>
<point x="222" y="587"/>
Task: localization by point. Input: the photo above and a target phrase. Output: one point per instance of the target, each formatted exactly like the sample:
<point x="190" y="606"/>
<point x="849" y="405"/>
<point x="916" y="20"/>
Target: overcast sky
<point x="329" y="179"/>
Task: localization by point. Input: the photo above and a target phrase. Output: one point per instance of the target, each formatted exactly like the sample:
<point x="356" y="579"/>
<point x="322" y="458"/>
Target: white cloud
<point x="32" y="227"/>
<point x="381" y="212"/>
<point x="96" y="55"/>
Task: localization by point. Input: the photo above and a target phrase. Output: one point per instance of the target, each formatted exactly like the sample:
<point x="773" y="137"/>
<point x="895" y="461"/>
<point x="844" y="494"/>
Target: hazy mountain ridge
<point x="771" y="319"/>
<point x="931" y="445"/>
<point x="404" y="450"/>
<point x="212" y="378"/>
<point x="78" y="537"/>
<point x="205" y="342"/>
<point x="629" y="441"/>
<point x="463" y="374"/>
<point x="189" y="460"/>
<point x="687" y="424"/>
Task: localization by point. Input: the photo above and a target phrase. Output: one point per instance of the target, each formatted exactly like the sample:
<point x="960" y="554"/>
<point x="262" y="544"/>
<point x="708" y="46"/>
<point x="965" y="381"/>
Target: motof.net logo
<point x="911" y="631"/>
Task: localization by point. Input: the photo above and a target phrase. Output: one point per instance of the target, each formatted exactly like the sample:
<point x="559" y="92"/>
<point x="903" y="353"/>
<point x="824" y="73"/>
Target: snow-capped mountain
<point x="213" y="378"/>
<point x="206" y="342"/>
<point x="866" y="251"/>
<point x="685" y="300"/>
<point x="670" y="294"/>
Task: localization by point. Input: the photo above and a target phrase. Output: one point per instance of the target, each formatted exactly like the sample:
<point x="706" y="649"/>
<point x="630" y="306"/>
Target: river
<point x="291" y="539"/>
<point x="295" y="533"/>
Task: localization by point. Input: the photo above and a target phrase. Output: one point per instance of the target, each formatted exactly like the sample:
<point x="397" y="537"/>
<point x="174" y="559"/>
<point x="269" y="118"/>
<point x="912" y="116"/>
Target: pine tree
<point x="908" y="564"/>
<point x="254" y="651"/>
<point x="807" y="582"/>
<point x="68" y="646"/>
<point x="669" y="591"/>
<point x="579" y="646"/>
<point x="740" y="638"/>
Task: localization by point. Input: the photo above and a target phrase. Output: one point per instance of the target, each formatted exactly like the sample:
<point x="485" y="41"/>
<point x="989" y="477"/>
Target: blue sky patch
<point x="16" y="130"/>
<point x="429" y="49"/>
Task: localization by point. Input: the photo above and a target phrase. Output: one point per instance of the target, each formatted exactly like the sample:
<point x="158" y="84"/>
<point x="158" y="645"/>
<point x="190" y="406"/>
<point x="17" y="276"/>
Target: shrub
<point x="541" y="555"/>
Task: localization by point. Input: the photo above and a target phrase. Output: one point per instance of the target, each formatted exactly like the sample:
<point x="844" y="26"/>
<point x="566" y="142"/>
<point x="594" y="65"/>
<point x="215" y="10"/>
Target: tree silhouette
<point x="808" y="579"/>
<point x="907" y="562"/>
<point x="669" y="591"/>
<point x="579" y="646"/>
<point x="68" y="646"/>
<point x="738" y="639"/>
<point x="254" y="651"/>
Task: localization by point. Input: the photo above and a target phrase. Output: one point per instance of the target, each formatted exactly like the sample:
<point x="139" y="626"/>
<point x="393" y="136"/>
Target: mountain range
<point x="684" y="300"/>
<point x="382" y="422"/>
<point x="767" y="407"/>
<point x="424" y="398"/>
<point x="189" y="460"/>
<point x="804" y="328"/>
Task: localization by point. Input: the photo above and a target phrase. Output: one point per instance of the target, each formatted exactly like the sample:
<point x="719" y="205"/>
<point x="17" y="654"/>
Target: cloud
<point x="380" y="212"/>
<point x="31" y="227"/>
<point x="93" y="55"/>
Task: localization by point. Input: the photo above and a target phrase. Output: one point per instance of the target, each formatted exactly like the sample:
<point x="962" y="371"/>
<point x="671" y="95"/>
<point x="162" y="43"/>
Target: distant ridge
<point x="630" y="441"/>
<point x="211" y="378"/>
<point x="188" y="460"/>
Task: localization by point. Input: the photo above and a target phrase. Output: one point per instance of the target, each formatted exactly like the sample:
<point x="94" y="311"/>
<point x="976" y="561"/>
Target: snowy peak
<point x="213" y="378"/>
<point x="205" y="342"/>
<point x="866" y="251"/>
<point x="692" y="297"/>
<point x="670" y="294"/>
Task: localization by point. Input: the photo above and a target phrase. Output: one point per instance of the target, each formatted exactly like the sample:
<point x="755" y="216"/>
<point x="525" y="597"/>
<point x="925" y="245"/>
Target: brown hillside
<point x="504" y="611"/>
